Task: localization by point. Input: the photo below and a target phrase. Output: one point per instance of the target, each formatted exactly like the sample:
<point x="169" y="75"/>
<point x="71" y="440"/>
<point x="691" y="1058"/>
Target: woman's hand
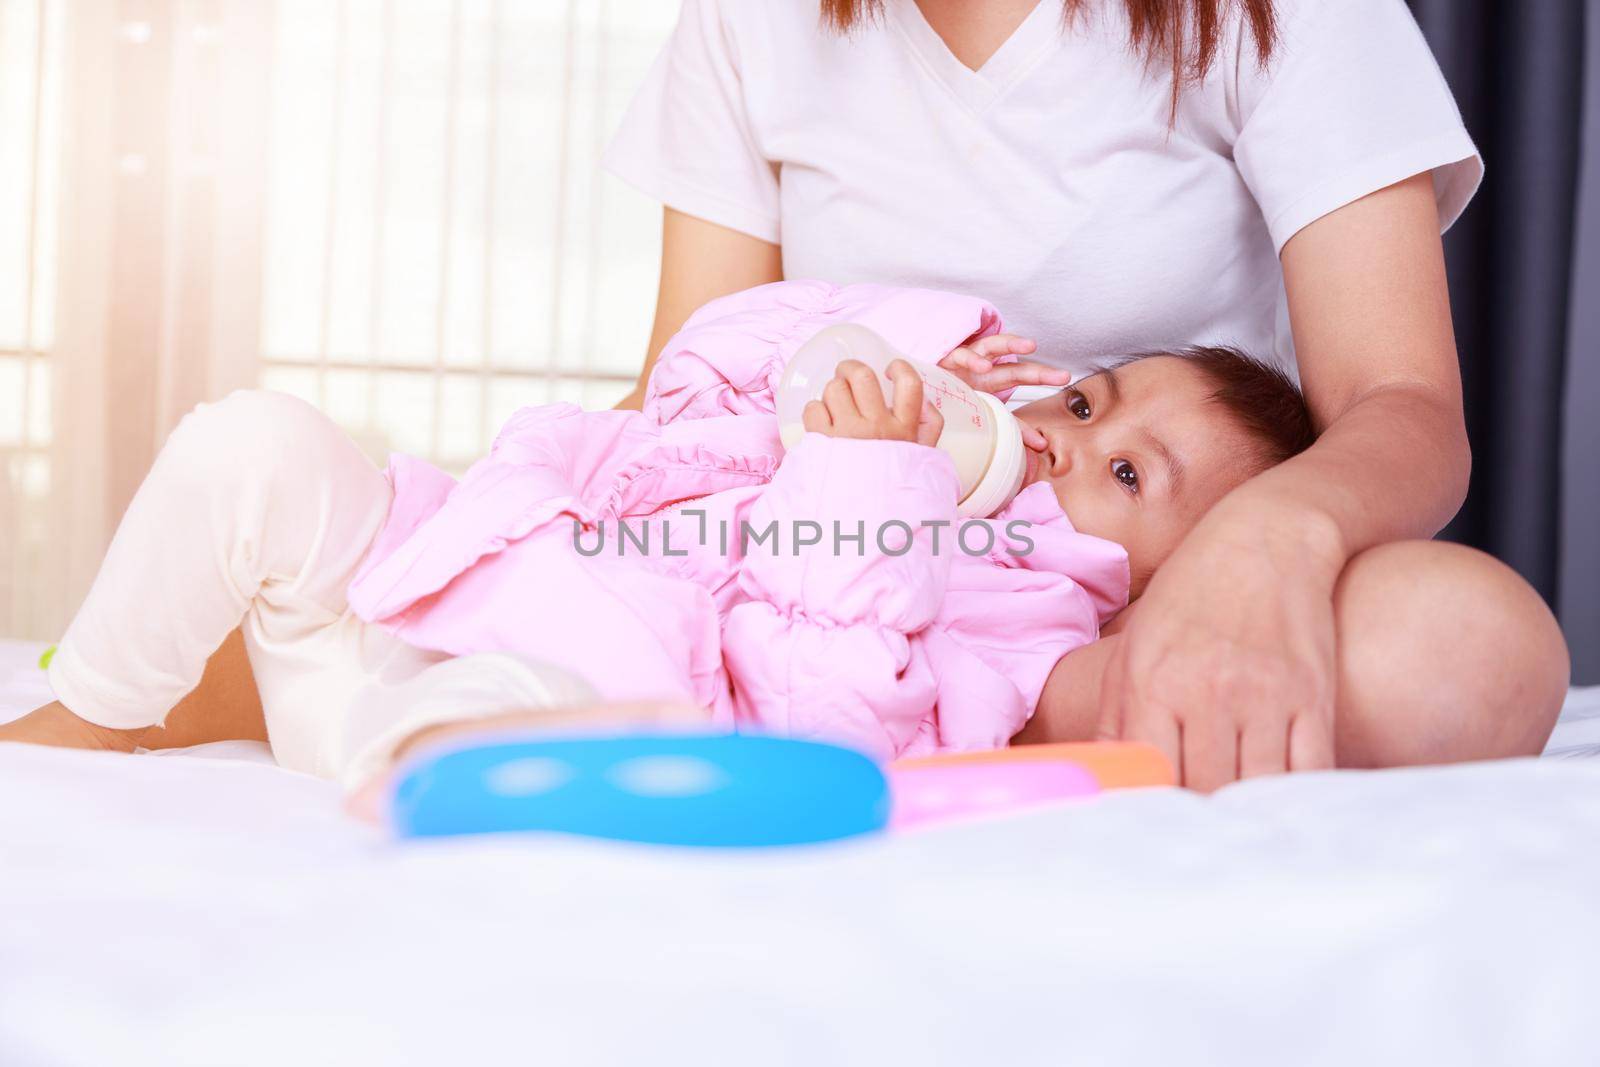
<point x="977" y="365"/>
<point x="852" y="405"/>
<point x="1228" y="663"/>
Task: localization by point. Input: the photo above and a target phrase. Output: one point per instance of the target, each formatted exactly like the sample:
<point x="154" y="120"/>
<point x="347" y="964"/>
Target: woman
<point x="1128" y="174"/>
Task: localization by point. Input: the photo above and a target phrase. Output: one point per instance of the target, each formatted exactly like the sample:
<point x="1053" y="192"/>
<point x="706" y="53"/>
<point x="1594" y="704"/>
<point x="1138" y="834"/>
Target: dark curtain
<point x="1579" y="592"/>
<point x="1518" y="71"/>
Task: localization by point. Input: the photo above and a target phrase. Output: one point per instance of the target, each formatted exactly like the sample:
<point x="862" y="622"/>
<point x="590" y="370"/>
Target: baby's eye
<point x="1123" y="472"/>
<point x="1078" y="405"/>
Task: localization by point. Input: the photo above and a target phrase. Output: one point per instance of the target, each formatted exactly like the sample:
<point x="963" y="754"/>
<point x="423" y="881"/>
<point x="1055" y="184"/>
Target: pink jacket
<point x="897" y="655"/>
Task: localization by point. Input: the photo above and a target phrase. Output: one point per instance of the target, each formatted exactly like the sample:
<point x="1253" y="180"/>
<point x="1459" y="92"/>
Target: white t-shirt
<point x="1049" y="181"/>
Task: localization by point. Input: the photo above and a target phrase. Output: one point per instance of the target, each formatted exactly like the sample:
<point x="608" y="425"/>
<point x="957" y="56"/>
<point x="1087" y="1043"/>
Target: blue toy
<point x="719" y="790"/>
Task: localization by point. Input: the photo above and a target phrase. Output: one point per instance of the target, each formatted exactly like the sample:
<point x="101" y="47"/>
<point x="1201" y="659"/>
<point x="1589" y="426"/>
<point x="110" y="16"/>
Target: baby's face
<point x="1137" y="455"/>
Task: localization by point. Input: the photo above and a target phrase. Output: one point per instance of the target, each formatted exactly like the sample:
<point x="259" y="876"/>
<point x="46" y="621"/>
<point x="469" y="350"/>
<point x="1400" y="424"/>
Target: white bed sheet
<point x="203" y="911"/>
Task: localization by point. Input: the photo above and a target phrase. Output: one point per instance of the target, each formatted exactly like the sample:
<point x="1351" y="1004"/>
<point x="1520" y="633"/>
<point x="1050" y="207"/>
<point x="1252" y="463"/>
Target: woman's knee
<point x="1445" y="654"/>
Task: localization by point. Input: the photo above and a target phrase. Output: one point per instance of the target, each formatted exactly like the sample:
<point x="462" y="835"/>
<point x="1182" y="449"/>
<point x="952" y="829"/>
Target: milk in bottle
<point x="980" y="435"/>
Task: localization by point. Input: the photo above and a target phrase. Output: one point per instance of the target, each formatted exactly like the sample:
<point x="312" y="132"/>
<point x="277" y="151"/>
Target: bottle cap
<point x="1003" y="477"/>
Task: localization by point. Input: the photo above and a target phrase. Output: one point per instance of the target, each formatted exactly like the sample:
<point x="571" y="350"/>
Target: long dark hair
<point x="1182" y="33"/>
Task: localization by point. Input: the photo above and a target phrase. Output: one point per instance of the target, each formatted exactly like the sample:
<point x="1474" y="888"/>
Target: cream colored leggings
<point x="257" y="513"/>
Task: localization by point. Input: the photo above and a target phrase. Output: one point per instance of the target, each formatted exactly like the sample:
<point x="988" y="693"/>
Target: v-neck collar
<point x="980" y="88"/>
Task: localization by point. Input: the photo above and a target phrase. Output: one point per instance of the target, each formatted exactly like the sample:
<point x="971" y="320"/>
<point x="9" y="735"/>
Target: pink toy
<point x="940" y="792"/>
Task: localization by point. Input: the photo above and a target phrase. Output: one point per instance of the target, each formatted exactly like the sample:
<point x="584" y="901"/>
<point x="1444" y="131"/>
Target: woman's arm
<point x="700" y="261"/>
<point x="1229" y="663"/>
<point x="1377" y="354"/>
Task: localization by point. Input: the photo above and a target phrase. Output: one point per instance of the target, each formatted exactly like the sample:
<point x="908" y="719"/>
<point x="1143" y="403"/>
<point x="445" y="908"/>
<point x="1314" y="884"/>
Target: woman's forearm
<point x="1372" y="331"/>
<point x="700" y="261"/>
<point x="1393" y="466"/>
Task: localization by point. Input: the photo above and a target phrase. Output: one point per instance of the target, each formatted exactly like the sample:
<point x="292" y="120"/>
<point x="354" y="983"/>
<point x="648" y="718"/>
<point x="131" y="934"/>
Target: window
<point x="392" y="208"/>
<point x="29" y="131"/>
<point x="440" y="247"/>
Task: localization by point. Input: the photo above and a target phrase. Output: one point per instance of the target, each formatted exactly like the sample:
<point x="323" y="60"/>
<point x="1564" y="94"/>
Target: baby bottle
<point x="980" y="435"/>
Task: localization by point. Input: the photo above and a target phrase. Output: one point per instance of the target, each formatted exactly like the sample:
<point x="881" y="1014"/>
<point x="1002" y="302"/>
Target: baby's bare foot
<point x="54" y="725"/>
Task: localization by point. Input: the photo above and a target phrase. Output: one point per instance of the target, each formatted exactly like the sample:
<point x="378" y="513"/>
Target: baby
<point x="603" y="563"/>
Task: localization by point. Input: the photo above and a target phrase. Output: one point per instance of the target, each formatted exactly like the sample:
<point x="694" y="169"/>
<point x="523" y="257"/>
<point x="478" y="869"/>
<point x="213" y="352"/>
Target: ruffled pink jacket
<point x="897" y="655"/>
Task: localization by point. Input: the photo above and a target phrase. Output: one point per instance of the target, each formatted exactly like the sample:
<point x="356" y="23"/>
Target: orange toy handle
<point x="1114" y="764"/>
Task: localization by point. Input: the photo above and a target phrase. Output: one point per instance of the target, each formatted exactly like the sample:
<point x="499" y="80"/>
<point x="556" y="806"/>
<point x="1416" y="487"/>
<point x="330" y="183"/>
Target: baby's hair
<point x="1260" y="397"/>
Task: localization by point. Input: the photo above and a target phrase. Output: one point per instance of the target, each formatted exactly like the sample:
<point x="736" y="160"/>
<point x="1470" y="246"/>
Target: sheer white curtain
<point x="390" y="207"/>
<point x="30" y="137"/>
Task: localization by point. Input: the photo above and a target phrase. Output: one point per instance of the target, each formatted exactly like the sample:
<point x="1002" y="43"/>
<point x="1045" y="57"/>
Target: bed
<point x="210" y="908"/>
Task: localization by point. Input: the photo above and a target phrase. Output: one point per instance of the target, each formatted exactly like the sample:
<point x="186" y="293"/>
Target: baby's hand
<point x="852" y="405"/>
<point x="975" y="364"/>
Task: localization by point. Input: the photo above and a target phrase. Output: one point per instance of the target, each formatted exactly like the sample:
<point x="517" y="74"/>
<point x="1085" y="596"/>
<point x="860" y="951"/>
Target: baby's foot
<point x="54" y="725"/>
